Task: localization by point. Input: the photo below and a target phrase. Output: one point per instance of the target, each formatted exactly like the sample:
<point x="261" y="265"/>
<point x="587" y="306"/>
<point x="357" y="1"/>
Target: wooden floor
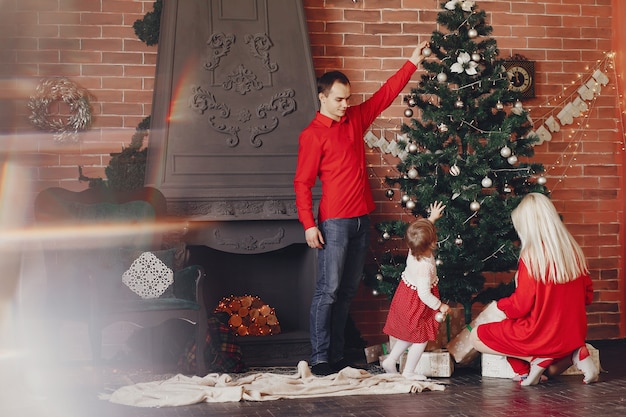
<point x="72" y="391"/>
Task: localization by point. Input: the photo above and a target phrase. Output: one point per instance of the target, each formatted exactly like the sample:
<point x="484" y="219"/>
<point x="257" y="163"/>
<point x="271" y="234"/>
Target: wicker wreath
<point x="51" y="90"/>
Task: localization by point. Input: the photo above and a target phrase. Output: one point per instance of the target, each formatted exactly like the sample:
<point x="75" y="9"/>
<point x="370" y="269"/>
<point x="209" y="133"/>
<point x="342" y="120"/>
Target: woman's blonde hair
<point x="420" y="237"/>
<point x="548" y="249"/>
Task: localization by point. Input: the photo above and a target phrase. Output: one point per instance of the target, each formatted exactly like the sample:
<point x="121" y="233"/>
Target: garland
<point x="51" y="90"/>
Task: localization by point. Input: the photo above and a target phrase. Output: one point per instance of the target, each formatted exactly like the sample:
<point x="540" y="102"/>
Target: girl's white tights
<point x="412" y="359"/>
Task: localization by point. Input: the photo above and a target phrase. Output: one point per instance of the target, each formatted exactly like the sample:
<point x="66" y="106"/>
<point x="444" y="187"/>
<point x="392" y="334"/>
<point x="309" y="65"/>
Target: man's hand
<point x="417" y="56"/>
<point x="436" y="211"/>
<point x="314" y="238"/>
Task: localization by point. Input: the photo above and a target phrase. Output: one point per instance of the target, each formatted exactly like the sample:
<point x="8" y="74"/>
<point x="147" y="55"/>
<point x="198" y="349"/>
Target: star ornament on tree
<point x="466" y="5"/>
<point x="464" y="63"/>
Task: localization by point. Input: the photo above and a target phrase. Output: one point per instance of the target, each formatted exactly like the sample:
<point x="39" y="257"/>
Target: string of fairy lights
<point x="553" y="106"/>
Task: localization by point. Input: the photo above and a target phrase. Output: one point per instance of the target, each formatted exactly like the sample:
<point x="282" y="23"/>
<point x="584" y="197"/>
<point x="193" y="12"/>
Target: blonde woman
<point x="546" y="315"/>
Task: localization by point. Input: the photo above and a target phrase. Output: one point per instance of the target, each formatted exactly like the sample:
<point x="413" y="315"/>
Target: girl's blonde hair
<point x="420" y="237"/>
<point x="548" y="249"/>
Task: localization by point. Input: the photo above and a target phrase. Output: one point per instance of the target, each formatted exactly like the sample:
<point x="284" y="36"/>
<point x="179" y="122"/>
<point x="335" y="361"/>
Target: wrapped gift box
<point x="433" y="364"/>
<point x="373" y="353"/>
<point x="497" y="366"/>
<point x="450" y="327"/>
<point x="460" y="346"/>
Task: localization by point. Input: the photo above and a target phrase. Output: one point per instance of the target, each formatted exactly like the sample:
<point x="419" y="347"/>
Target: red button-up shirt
<point x="335" y="152"/>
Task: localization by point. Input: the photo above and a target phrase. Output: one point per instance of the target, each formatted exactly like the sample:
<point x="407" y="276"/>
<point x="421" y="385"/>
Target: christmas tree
<point x="466" y="146"/>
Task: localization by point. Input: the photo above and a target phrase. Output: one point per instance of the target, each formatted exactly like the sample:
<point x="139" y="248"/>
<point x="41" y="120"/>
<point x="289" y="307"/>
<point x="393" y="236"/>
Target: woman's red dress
<point x="544" y="320"/>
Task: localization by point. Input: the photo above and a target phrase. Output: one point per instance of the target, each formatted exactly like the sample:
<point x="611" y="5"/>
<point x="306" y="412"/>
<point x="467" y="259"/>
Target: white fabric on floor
<point x="183" y="390"/>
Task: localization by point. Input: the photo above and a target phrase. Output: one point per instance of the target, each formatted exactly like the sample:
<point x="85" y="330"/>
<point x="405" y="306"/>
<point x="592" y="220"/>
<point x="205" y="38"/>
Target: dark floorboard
<point x="72" y="391"/>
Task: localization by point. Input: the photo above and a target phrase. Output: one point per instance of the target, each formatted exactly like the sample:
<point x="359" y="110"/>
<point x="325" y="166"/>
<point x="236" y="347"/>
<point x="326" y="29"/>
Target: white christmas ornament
<point x="505" y="152"/>
<point x="541" y="180"/>
<point x="472" y="33"/>
<point x="427" y="51"/>
<point x="442" y="77"/>
<point x="412" y="173"/>
<point x="512" y="159"/>
<point x="486" y="182"/>
<point x="474" y="206"/>
<point x="410" y="204"/>
<point x="455" y="170"/>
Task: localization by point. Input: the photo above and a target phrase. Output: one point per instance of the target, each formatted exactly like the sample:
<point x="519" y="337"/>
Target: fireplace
<point x="268" y="259"/>
<point x="234" y="87"/>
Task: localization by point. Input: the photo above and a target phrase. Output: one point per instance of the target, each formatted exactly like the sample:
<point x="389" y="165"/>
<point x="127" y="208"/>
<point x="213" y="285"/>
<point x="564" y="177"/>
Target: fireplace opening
<point x="283" y="278"/>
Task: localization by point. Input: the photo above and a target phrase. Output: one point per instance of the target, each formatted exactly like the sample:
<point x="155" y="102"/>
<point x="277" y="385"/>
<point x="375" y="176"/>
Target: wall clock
<point x="522" y="75"/>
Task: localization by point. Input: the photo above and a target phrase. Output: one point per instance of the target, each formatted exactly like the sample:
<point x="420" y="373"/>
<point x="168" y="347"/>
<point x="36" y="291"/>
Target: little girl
<point x="411" y="317"/>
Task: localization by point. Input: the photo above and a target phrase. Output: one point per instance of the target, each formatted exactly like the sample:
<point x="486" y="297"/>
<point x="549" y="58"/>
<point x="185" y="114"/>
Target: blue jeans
<point x="340" y="270"/>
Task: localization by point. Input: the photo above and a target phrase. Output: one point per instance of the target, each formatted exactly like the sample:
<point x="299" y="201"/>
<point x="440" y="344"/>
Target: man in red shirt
<point x="331" y="147"/>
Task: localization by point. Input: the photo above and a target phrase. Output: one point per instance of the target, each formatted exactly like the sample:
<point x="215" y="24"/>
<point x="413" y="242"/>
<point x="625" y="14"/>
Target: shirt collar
<point x="327" y="121"/>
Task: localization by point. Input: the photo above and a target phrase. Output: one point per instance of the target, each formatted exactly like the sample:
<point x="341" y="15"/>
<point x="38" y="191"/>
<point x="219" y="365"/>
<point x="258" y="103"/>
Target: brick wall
<point x="92" y="43"/>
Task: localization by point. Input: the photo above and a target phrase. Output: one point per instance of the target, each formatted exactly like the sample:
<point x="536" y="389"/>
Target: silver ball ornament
<point x="386" y="235"/>
<point x="389" y="193"/>
<point x="411" y="102"/>
<point x="505" y="152"/>
<point x="379" y="277"/>
<point x="476" y="57"/>
<point x="474" y="206"/>
<point x="472" y="33"/>
<point x="486" y="182"/>
<point x="408" y="113"/>
<point x="439" y="316"/>
<point x="427" y="51"/>
<point x="499" y="105"/>
<point x="542" y="180"/>
<point x="405" y="198"/>
<point x="512" y="159"/>
<point x="519" y="105"/>
<point x="412" y="173"/>
<point x="442" y="77"/>
<point x="410" y="204"/>
<point x="455" y="170"/>
<point x="458" y="241"/>
<point x="412" y="148"/>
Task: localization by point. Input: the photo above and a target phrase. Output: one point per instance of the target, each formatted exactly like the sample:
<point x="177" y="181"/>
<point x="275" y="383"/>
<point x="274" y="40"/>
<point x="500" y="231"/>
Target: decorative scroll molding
<point x="242" y="80"/>
<point x="260" y="44"/>
<point x="220" y="44"/>
<point x="235" y="210"/>
<point x="202" y="101"/>
<point x="249" y="242"/>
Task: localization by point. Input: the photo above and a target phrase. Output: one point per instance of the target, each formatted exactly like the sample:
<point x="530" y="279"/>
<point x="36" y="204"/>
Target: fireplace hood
<point x="234" y="87"/>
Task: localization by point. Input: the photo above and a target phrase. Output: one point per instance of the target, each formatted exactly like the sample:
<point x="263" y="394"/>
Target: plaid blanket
<point x="222" y="354"/>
